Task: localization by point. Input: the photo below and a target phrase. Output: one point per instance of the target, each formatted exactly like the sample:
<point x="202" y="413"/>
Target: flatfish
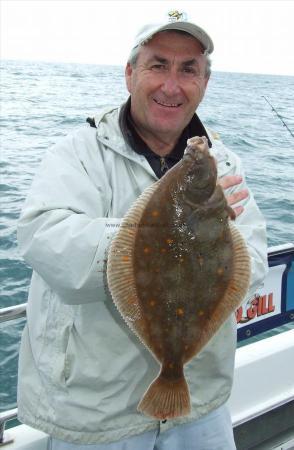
<point x="177" y="268"/>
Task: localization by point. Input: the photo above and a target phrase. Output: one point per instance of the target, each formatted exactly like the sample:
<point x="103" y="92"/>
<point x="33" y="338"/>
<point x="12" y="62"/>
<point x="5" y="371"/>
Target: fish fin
<point x="166" y="399"/>
<point x="120" y="273"/>
<point x="239" y="283"/>
<point x="231" y="212"/>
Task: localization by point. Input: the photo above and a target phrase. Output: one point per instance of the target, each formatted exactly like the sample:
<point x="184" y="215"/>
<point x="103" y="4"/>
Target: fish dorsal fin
<point x="120" y="269"/>
<point x="240" y="280"/>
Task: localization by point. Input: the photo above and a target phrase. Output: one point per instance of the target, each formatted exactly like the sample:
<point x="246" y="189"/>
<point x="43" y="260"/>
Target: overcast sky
<point x="254" y="36"/>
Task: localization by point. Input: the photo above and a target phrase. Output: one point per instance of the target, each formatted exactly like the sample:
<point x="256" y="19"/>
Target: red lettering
<point x="252" y="311"/>
<point x="264" y="309"/>
<point x="239" y="314"/>
<point x="259" y="305"/>
<point x="271" y="307"/>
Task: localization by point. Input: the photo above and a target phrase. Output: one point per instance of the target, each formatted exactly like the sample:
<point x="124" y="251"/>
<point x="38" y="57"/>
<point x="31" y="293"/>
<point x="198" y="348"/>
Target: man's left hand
<point x="230" y="181"/>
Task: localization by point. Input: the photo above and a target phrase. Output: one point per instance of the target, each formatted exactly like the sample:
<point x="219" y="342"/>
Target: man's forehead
<point x="161" y="58"/>
<point x="164" y="48"/>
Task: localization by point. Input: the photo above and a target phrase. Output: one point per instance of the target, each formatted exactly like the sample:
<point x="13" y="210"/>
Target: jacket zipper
<point x="163" y="165"/>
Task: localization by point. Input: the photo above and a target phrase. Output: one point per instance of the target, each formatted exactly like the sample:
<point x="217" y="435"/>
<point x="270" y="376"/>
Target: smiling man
<point x="167" y="83"/>
<point x="82" y="372"/>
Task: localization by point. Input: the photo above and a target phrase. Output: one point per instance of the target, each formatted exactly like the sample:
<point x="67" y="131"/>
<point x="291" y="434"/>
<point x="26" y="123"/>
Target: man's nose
<point x="171" y="84"/>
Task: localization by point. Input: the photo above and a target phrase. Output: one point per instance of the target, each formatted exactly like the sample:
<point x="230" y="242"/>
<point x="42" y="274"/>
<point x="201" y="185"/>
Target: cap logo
<point x="175" y="16"/>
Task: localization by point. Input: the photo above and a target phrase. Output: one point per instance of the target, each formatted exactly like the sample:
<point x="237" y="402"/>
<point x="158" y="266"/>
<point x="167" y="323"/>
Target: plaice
<point x="177" y="269"/>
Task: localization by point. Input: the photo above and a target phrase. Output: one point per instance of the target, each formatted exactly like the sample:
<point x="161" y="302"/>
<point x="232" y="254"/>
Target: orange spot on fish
<point x="163" y="250"/>
<point x="200" y="312"/>
<point x="147" y="250"/>
<point x="169" y="241"/>
<point x="170" y="365"/>
<point x="155" y="213"/>
<point x="125" y="258"/>
<point x="220" y="271"/>
<point x="152" y="302"/>
<point x="179" y="311"/>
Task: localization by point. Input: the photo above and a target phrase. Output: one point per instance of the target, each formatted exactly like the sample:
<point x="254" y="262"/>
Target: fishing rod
<point x="279" y="116"/>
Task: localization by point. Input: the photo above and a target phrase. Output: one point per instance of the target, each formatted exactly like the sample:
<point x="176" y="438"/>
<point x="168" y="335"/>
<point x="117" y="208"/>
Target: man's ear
<point x="206" y="81"/>
<point x="205" y="86"/>
<point x="128" y="76"/>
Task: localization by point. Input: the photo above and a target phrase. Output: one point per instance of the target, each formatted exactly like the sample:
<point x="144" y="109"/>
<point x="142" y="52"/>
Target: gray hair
<point x="133" y="57"/>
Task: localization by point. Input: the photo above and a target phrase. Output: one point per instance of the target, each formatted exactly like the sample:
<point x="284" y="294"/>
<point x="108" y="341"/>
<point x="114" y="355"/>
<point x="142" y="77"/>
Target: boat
<point x="262" y="400"/>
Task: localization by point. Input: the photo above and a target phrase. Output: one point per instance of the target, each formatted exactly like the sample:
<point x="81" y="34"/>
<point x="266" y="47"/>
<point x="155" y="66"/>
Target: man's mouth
<point x="166" y="104"/>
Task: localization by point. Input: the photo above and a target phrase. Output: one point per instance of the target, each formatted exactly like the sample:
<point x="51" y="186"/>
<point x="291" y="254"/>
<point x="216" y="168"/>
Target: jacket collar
<point x="110" y="135"/>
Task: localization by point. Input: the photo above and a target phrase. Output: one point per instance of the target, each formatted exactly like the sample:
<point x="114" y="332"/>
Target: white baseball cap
<point x="176" y="21"/>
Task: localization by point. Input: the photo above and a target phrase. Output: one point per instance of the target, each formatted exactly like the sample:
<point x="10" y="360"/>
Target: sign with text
<point x="266" y="302"/>
<point x="272" y="305"/>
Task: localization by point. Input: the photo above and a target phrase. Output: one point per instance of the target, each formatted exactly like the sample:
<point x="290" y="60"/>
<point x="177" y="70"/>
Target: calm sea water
<point x="43" y="101"/>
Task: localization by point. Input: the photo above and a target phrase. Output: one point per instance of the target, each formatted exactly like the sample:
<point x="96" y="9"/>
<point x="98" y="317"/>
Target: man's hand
<point x="230" y="181"/>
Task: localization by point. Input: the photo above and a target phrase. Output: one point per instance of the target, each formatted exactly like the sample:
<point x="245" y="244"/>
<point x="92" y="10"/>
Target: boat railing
<point x="13" y="312"/>
<point x="5" y="417"/>
<point x="7" y="314"/>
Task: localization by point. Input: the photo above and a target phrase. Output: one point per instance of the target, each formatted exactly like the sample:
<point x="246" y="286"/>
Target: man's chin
<point x="173" y="124"/>
<point x="166" y="131"/>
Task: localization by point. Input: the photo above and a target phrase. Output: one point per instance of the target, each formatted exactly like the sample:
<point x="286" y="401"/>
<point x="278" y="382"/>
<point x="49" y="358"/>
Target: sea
<point x="42" y="102"/>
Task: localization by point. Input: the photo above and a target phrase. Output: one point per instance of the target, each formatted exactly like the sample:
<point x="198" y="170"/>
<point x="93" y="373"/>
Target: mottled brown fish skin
<point x="183" y="258"/>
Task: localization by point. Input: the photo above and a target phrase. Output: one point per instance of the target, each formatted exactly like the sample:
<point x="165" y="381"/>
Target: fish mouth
<point x="167" y="104"/>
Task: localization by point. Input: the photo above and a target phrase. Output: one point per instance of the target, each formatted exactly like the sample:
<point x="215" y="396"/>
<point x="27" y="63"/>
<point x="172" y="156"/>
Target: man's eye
<point x="190" y="70"/>
<point x="158" y="67"/>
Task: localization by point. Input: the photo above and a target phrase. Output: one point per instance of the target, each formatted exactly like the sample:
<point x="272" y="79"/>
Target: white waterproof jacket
<point x="82" y="371"/>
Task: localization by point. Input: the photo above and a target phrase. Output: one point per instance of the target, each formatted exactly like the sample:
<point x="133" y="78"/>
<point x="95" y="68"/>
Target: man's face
<point x="167" y="84"/>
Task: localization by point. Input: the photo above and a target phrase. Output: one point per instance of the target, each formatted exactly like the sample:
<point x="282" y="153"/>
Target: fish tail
<point x="166" y="398"/>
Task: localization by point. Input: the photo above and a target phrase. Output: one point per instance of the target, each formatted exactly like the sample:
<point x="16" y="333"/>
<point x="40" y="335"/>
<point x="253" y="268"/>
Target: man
<point x="82" y="372"/>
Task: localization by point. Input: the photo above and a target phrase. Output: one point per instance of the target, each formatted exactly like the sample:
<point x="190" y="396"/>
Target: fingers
<point x="237" y="197"/>
<point x="238" y="210"/>
<point x="230" y="181"/>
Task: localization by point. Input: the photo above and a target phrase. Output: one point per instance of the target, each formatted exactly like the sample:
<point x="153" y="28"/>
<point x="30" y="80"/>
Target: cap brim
<point x="190" y="28"/>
